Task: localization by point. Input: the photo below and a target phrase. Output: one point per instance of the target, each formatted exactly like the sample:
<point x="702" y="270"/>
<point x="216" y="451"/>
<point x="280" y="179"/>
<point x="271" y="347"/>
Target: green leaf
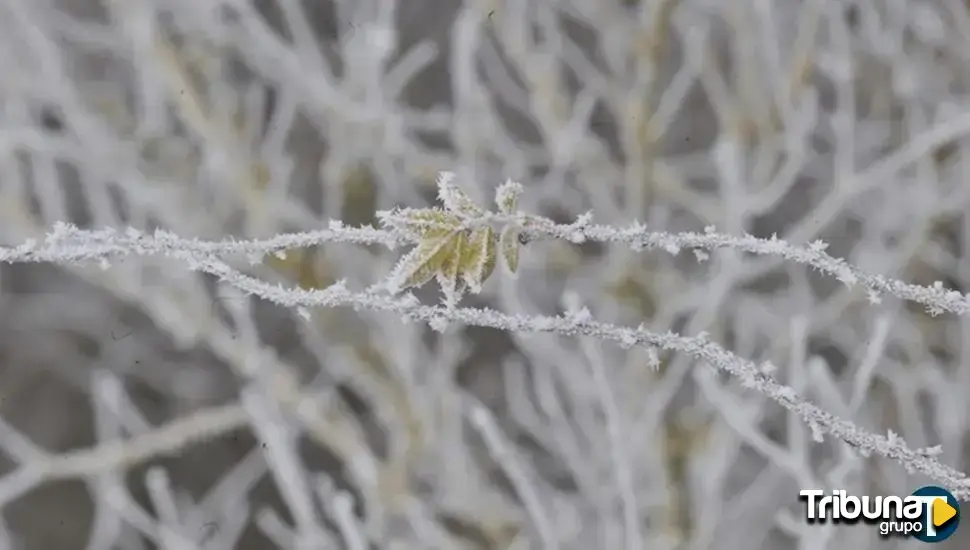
<point x="423" y="262"/>
<point x="449" y="276"/>
<point x="426" y="223"/>
<point x="455" y="244"/>
<point x="478" y="260"/>
<point x="509" y="244"/>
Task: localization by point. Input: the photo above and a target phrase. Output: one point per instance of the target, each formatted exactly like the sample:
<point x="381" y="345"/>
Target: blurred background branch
<point x="838" y="120"/>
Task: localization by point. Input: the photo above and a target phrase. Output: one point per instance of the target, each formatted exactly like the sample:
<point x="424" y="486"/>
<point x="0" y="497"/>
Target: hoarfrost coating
<point x="199" y="347"/>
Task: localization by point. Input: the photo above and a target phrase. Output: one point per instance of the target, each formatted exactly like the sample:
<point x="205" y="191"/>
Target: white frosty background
<point x="814" y="119"/>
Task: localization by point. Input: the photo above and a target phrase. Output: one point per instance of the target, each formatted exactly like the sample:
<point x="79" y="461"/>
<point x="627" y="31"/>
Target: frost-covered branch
<point x="407" y="307"/>
<point x="215" y="136"/>
<point x="66" y="244"/>
<point x="165" y="440"/>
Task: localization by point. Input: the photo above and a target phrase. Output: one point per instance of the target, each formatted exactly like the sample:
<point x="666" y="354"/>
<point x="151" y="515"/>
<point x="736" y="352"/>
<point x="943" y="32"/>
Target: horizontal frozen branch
<point x="68" y="244"/>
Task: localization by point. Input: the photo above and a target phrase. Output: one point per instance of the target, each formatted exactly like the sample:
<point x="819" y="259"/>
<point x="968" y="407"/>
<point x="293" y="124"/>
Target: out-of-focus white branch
<point x="119" y="453"/>
<point x="235" y="119"/>
<point x="483" y="422"/>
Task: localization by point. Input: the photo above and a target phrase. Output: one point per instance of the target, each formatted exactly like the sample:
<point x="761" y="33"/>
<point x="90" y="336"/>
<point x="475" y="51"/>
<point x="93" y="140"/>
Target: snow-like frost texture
<point x="224" y="194"/>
